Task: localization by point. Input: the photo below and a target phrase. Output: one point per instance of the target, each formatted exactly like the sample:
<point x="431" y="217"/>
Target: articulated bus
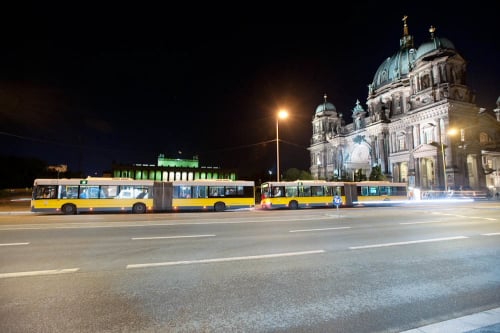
<point x="213" y="195"/>
<point x="320" y="193"/>
<point x="373" y="191"/>
<point x="300" y="194"/>
<point x="99" y="194"/>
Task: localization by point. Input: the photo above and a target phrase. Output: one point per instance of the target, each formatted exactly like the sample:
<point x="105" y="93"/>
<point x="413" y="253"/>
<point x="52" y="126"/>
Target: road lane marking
<point x="471" y="217"/>
<point x="203" y="261"/>
<point x="492" y="234"/>
<point x="306" y="230"/>
<point x="12" y="244"/>
<point x="406" y="243"/>
<point x="36" y="273"/>
<point x="150" y="223"/>
<point x="420" y="222"/>
<point x="171" y="237"/>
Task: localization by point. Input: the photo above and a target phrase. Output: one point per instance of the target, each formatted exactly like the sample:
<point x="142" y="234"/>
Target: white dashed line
<point x="36" y="273"/>
<point x="204" y="261"/>
<point x="171" y="237"/>
<point x="306" y="230"/>
<point x="406" y="243"/>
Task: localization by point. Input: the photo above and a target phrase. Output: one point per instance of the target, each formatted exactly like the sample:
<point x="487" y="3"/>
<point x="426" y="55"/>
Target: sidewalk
<point x="482" y="322"/>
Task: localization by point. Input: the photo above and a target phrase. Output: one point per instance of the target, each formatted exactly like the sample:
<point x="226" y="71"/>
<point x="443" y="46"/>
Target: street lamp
<point x="444" y="168"/>
<point x="282" y="114"/>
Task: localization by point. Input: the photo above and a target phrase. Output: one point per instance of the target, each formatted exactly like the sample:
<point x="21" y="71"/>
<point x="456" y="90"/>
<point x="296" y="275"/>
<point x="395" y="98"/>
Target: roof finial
<point x="405" y="26"/>
<point x="324" y="96"/>
<point x="431" y="30"/>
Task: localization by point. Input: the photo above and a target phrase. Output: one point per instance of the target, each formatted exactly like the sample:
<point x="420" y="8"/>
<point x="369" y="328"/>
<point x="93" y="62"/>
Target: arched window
<point x="428" y="133"/>
<point x="484" y="137"/>
<point x="401" y="141"/>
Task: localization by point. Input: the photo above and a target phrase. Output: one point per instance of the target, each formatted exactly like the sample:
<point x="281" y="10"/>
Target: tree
<point x="294" y="174"/>
<point x="359" y="176"/>
<point x="376" y="173"/>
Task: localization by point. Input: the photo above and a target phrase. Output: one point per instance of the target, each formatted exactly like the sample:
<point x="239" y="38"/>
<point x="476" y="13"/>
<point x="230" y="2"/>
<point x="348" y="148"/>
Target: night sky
<point x="88" y="87"/>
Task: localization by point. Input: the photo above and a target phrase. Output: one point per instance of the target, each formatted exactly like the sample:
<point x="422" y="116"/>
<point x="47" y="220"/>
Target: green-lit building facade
<point x="170" y="169"/>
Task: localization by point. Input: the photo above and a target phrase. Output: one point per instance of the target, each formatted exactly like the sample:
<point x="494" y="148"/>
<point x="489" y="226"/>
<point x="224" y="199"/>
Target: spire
<point x="432" y="29"/>
<point x="405" y="26"/>
<point x="406" y="42"/>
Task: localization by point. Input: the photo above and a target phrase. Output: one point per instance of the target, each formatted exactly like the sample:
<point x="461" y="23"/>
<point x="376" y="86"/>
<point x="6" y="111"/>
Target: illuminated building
<point x="416" y="97"/>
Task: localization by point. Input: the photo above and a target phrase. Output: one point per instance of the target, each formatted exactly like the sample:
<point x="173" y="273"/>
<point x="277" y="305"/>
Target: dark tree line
<point x="20" y="172"/>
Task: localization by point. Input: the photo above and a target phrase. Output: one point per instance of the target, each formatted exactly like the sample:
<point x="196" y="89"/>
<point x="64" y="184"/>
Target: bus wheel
<point x="293" y="204"/>
<point x="219" y="207"/>
<point x="139" y="208"/>
<point x="68" y="209"/>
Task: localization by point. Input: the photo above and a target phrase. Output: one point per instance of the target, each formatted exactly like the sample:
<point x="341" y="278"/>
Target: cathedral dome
<point x="397" y="67"/>
<point x="394" y="68"/>
<point x="435" y="43"/>
<point x="327" y="106"/>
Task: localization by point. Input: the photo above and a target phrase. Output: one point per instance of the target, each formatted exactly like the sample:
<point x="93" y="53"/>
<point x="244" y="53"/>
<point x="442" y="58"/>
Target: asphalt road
<point x="418" y="268"/>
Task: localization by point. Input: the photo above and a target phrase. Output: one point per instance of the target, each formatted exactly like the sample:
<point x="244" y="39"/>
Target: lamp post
<point x="282" y="114"/>
<point x="444" y="168"/>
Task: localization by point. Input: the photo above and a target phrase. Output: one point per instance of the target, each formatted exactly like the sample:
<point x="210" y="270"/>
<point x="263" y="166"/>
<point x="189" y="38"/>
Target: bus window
<point x="385" y="190"/>
<point x="305" y="191"/>
<point x="200" y="192"/>
<point x="363" y="190"/>
<point x="278" y="191"/>
<point x="231" y="191"/>
<point x="46" y="192"/>
<point x="110" y="191"/>
<point x="373" y="190"/>
<point x="317" y="191"/>
<point x="91" y="192"/>
<point x="291" y="191"/>
<point x="142" y="193"/>
<point x="185" y="192"/>
<point x="399" y="190"/>
<point x="216" y="191"/>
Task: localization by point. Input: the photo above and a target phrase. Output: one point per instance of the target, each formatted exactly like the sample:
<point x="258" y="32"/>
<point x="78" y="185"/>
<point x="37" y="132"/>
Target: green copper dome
<point x="325" y="107"/>
<point x="435" y="43"/>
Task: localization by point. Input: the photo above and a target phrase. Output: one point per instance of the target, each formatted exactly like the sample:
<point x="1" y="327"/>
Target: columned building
<point x="170" y="169"/>
<point x="420" y="125"/>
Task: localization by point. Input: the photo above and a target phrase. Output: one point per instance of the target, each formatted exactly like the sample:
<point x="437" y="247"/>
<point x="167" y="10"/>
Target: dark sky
<point x="91" y="86"/>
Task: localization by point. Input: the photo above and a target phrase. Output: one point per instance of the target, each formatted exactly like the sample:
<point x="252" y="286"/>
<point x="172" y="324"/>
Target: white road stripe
<point x="35" y="273"/>
<point x="406" y="243"/>
<point x="10" y="244"/>
<point x="171" y="237"/>
<point x="492" y="234"/>
<point x="420" y="222"/>
<point x="306" y="230"/>
<point x="203" y="261"/>
<point x="471" y="217"/>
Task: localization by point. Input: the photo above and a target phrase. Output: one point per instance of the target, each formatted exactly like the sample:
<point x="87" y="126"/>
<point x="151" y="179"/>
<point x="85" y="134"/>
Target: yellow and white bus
<point x="212" y="195"/>
<point x="373" y="191"/>
<point x="300" y="194"/>
<point x="99" y="194"/>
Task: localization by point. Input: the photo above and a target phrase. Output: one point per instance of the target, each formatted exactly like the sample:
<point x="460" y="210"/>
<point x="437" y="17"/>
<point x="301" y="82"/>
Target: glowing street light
<point x="282" y="114"/>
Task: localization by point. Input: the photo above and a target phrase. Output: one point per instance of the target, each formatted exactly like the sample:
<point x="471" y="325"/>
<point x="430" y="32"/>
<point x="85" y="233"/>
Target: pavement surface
<point x="482" y="322"/>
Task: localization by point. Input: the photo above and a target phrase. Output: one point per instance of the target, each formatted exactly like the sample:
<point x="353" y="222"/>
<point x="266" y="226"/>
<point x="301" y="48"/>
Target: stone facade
<point x="420" y="125"/>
